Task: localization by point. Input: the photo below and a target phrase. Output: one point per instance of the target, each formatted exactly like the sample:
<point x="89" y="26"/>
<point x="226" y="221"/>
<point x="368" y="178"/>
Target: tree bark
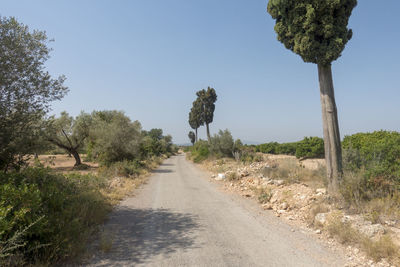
<point x="208" y="133"/>
<point x="196" y="136"/>
<point x="76" y="157"/>
<point x="333" y="150"/>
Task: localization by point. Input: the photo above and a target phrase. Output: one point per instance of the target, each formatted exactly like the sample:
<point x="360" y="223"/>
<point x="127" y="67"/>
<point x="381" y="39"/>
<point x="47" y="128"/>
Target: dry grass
<point x="346" y="234"/>
<point x="65" y="164"/>
<point x="319" y="207"/>
<point x="291" y="171"/>
<point x="263" y="195"/>
<point x="232" y="176"/>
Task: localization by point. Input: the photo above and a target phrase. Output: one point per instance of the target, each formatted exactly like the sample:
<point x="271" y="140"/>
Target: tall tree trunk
<point x="208" y="133"/>
<point x="76" y="157"/>
<point x="333" y="150"/>
<point x="196" y="136"/>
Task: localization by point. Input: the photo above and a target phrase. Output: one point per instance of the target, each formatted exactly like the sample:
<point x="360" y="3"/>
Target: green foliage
<point x="222" y="144"/>
<point x="248" y="156"/>
<point x="309" y="147"/>
<point x="123" y="168"/>
<point x="200" y="151"/>
<point x="55" y="213"/>
<point x="269" y="148"/>
<point x="287" y="148"/>
<point x="196" y="118"/>
<point x="154" y="143"/>
<point x="69" y="133"/>
<point x="375" y="158"/>
<point x="314" y="29"/>
<point x="206" y="100"/>
<point x="192" y="137"/>
<point x="26" y="90"/>
<point x="115" y="137"/>
<point x="156" y="134"/>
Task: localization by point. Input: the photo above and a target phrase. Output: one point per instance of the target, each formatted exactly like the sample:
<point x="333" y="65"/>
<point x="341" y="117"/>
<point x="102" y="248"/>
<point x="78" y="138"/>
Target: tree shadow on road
<point x="167" y="164"/>
<point x="162" y="171"/>
<point x="139" y="234"/>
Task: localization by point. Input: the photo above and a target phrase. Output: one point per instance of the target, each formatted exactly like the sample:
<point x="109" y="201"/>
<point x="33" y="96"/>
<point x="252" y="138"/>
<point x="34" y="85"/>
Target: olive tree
<point x="207" y="99"/>
<point x="69" y="133"/>
<point x="26" y="90"/>
<point x="317" y="31"/>
<point x="114" y="137"/>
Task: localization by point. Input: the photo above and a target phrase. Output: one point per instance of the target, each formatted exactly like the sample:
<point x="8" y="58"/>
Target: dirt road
<point x="181" y="219"/>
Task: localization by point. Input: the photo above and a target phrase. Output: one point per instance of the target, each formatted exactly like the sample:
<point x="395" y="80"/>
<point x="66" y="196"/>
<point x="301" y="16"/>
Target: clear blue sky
<point x="149" y="57"/>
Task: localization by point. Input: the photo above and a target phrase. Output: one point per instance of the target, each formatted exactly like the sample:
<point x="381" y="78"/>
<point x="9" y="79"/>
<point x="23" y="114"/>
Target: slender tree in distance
<point x="192" y="137"/>
<point x="196" y="117"/>
<point x="317" y="31"/>
<point x="207" y="98"/>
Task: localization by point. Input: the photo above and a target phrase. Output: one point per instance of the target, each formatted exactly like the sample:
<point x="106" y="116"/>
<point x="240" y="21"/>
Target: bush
<point x="55" y="212"/>
<point x="123" y="168"/>
<point x="377" y="155"/>
<point x="287" y="149"/>
<point x="222" y="144"/>
<point x="310" y="147"/>
<point x="268" y="148"/>
<point x="200" y="151"/>
<point x="115" y="137"/>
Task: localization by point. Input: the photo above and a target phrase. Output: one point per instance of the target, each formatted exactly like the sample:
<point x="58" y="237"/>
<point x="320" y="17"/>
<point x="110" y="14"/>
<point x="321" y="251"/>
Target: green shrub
<point x="124" y="168"/>
<point x="268" y="148"/>
<point x="287" y="149"/>
<point x="310" y="147"/>
<point x="55" y="213"/>
<point x="378" y="155"/>
<point x="200" y="151"/>
<point x="222" y="144"/>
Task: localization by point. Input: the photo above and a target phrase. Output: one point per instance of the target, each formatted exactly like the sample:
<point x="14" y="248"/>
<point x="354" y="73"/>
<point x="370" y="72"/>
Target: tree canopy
<point x="192" y="137"/>
<point x="69" y="133"/>
<point x="314" y="29"/>
<point x="26" y="89"/>
<point x="207" y="99"/>
<point x="196" y="118"/>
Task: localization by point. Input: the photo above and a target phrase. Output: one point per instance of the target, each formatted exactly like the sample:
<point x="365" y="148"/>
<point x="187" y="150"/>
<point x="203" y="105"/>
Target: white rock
<point x="372" y="230"/>
<point x="221" y="176"/>
<point x="284" y="206"/>
<point x="318" y="231"/>
<point x="321" y="191"/>
<point x="320" y="218"/>
<point x="278" y="182"/>
<point x="274" y="197"/>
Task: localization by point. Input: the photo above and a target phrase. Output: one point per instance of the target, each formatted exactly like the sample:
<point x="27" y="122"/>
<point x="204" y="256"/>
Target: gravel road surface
<point x="180" y="218"/>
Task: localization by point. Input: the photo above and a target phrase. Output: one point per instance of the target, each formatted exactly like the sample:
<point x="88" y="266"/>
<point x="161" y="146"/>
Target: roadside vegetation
<point x="369" y="182"/>
<point x="47" y="215"/>
<point x="369" y="187"/>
